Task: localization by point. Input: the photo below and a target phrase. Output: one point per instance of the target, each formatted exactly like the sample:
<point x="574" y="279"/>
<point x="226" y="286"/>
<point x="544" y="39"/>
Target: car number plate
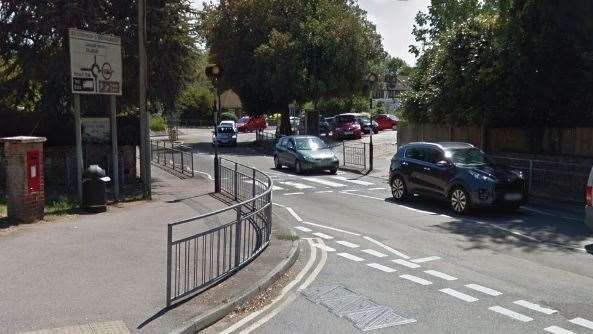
<point x="513" y="197"/>
<point x="348" y="132"/>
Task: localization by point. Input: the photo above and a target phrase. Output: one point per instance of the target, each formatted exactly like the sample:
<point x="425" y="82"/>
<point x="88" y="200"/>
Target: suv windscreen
<point x="467" y="156"/>
<point x="226" y="129"/>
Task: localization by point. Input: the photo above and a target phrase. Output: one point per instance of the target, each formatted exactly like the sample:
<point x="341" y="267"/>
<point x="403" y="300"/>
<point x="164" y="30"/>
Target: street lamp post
<point x="213" y="72"/>
<point x="370" y="80"/>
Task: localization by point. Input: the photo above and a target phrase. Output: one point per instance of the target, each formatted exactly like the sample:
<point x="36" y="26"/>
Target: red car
<point x="386" y="121"/>
<point x="250" y="124"/>
<point x="346" y="126"/>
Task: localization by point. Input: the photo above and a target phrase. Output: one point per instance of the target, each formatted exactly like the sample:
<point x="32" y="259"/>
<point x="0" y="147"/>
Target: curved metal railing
<point x="197" y="261"/>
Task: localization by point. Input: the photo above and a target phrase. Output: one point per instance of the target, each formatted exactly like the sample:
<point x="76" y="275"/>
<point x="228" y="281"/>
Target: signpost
<point x="96" y="69"/>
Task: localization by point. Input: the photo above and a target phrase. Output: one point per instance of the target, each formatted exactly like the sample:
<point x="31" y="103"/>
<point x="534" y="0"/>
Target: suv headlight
<point x="481" y="176"/>
<point x="518" y="173"/>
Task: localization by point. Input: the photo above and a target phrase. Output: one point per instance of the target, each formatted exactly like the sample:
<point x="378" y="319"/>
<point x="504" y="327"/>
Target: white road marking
<point x="389" y="249"/>
<point x="349" y="190"/>
<point x="558" y="330"/>
<point x="379" y="188"/>
<point x="440" y="275"/>
<point x="401" y="206"/>
<point x="351" y="257"/>
<point x="292" y="194"/>
<point x="324" y="191"/>
<point x="535" y="307"/>
<point x="416" y="279"/>
<point x="323" y="235"/>
<point x="426" y="259"/>
<point x="551" y="214"/>
<point x="330" y="228"/>
<point x="406" y="263"/>
<point x="484" y="289"/>
<point x="325" y="248"/>
<point x="280" y="205"/>
<point x="459" y="295"/>
<point x="204" y="173"/>
<point x="284" y="291"/>
<point x="510" y="314"/>
<point x="297" y="185"/>
<point x="324" y="182"/>
<point x="347" y="244"/>
<point x="582" y="322"/>
<point x="276" y="188"/>
<point x="302" y="228"/>
<point x="381" y="267"/>
<point x="294" y="214"/>
<point x="359" y="182"/>
<point x="374" y="253"/>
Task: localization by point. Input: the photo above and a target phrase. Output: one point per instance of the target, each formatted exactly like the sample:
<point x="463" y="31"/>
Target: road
<point x="414" y="268"/>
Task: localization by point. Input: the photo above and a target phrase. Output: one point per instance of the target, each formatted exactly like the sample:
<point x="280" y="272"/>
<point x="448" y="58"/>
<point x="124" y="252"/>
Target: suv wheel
<point x="297" y="167"/>
<point x="459" y="201"/>
<point x="277" y="162"/>
<point x="398" y="188"/>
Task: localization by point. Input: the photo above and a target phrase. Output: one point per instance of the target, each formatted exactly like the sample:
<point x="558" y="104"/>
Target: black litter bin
<point x="94" y="181"/>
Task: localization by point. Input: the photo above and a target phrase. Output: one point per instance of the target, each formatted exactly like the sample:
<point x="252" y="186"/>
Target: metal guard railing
<point x="198" y="261"/>
<point x="165" y="153"/>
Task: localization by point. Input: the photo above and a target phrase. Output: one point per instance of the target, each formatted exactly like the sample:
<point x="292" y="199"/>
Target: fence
<point x="165" y="153"/>
<point x="552" y="179"/>
<point x="197" y="261"/>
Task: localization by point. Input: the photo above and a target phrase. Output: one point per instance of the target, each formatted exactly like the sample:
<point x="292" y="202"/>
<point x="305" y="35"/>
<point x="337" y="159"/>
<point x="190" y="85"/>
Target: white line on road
<point x="204" y="173"/>
<point x="351" y="257"/>
<point x="325" y="248"/>
<point x="359" y="182"/>
<point x="294" y="214"/>
<point x="324" y="182"/>
<point x="389" y="249"/>
<point x="383" y="200"/>
<point x="459" y="295"/>
<point x="381" y="267"/>
<point x="406" y="263"/>
<point x="582" y="322"/>
<point x="347" y="244"/>
<point x="297" y="185"/>
<point x="426" y="259"/>
<point x="484" y="289"/>
<point x="331" y="228"/>
<point x="349" y="190"/>
<point x="558" y="330"/>
<point x="324" y="191"/>
<point x="276" y="188"/>
<point x="302" y="228"/>
<point x="439" y="274"/>
<point x="279" y="205"/>
<point x="535" y="307"/>
<point x="551" y="214"/>
<point x="374" y="253"/>
<point x="379" y="188"/>
<point x="416" y="279"/>
<point x="291" y="194"/>
<point x="510" y="314"/>
<point x="323" y="235"/>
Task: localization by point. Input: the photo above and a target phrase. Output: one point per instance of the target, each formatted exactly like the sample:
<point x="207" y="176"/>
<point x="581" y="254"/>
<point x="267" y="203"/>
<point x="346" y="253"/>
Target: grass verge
<point x="60" y="206"/>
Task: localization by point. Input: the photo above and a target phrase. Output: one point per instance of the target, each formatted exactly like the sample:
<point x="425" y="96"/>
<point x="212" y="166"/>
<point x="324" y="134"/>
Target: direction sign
<point x="95" y="63"/>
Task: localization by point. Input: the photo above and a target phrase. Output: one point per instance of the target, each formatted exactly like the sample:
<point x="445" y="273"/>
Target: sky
<point x="394" y="20"/>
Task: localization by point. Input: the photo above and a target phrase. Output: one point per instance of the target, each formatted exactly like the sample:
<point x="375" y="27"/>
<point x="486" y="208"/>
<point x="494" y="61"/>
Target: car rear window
<point x="226" y="129"/>
<point x="415" y="153"/>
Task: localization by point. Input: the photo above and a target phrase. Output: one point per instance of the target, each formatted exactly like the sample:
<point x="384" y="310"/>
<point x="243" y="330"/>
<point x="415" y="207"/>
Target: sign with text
<point x="95" y="63"/>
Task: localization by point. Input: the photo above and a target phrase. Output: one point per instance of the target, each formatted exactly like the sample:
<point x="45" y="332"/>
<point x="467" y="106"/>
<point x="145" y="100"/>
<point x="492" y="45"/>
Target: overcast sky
<point x="394" y="20"/>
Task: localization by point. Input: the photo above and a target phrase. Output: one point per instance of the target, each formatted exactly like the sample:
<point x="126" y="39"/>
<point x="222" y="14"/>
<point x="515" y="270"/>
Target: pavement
<point x="105" y="273"/>
<point x="373" y="262"/>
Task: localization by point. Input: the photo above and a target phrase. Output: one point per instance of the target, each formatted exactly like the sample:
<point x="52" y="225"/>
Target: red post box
<point x="33" y="169"/>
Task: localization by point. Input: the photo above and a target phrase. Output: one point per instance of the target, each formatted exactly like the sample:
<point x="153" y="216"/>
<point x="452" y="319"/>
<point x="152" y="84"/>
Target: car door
<point x="434" y="176"/>
<point x="290" y="152"/>
<point x="281" y="150"/>
<point x="412" y="167"/>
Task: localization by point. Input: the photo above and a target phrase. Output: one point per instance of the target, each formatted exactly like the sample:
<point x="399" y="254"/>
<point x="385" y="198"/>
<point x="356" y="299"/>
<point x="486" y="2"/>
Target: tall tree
<point x="274" y="52"/>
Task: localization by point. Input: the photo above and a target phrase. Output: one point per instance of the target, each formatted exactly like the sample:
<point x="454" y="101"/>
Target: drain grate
<point x="364" y="313"/>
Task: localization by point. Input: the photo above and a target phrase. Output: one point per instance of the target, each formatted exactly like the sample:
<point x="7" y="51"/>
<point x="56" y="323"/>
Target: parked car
<point x="386" y="121"/>
<point x="305" y="153"/>
<point x="366" y="125"/>
<point x="324" y="126"/>
<point x="224" y="135"/>
<point x="589" y="201"/>
<point x="346" y="126"/>
<point x="457" y="172"/>
<point x="250" y="124"/>
<point x="229" y="123"/>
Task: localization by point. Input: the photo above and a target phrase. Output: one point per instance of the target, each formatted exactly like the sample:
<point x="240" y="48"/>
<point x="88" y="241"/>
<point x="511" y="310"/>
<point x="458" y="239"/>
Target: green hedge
<point x="157" y="123"/>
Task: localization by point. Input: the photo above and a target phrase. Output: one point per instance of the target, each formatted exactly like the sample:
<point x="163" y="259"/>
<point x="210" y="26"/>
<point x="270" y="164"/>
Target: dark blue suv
<point x="457" y="172"/>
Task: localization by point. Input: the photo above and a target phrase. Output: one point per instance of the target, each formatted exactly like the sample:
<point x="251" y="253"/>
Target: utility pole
<point x="144" y="134"/>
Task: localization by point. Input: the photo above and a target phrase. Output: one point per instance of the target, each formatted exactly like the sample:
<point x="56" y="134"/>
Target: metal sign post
<point x="96" y="69"/>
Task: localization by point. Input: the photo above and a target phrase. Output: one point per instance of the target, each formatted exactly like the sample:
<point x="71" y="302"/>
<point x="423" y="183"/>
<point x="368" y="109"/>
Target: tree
<point x="34" y="48"/>
<point x="274" y="52"/>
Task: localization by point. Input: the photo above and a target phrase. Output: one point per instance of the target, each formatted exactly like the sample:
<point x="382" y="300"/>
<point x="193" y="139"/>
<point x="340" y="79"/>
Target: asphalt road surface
<point x="373" y="264"/>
